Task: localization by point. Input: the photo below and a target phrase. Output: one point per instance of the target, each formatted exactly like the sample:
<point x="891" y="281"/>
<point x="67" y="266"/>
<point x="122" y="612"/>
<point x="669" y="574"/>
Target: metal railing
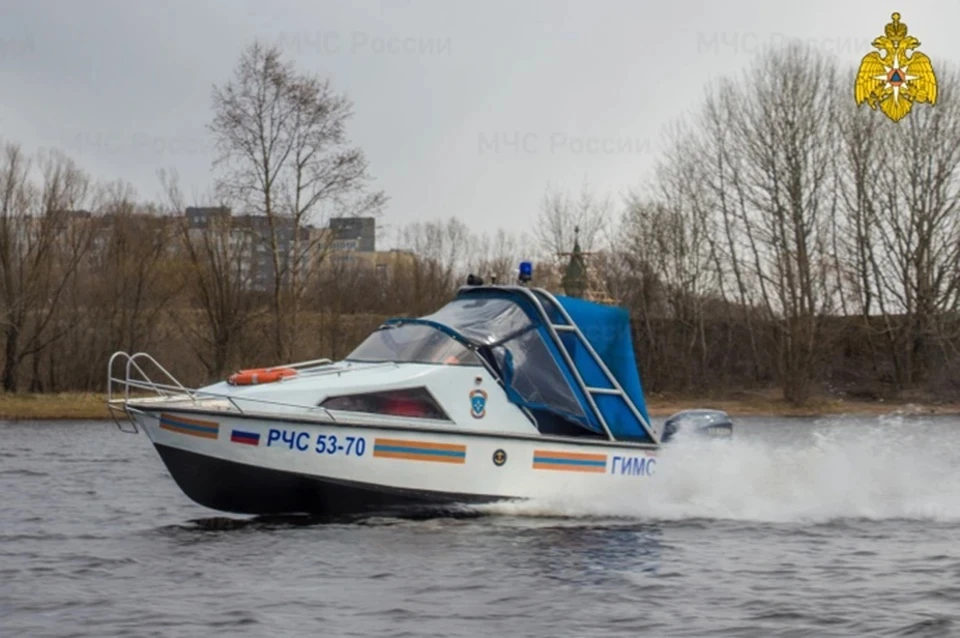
<point x="169" y="389"/>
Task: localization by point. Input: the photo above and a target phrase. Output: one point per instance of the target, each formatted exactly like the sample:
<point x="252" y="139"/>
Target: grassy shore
<point x="76" y="405"/>
<point x="60" y="406"/>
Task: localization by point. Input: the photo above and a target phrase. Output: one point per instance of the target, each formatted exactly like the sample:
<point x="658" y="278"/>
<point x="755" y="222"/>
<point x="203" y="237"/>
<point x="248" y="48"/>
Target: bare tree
<point x="918" y="214"/>
<point x="219" y="254"/>
<point x="497" y="257"/>
<point x="41" y="245"/>
<point x="857" y="239"/>
<point x="723" y="180"/>
<point x="442" y="250"/>
<point x="135" y="277"/>
<point x="561" y="216"/>
<point x="784" y="120"/>
<point x="283" y="153"/>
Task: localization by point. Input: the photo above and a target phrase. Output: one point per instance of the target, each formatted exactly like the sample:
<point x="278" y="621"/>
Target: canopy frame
<point x="535" y="296"/>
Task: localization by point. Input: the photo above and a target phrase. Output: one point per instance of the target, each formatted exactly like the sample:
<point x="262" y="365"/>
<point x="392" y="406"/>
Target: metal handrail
<point x="174" y="389"/>
<point x="303" y="364"/>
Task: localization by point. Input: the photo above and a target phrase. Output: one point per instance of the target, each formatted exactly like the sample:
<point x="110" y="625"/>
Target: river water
<point x="837" y="527"/>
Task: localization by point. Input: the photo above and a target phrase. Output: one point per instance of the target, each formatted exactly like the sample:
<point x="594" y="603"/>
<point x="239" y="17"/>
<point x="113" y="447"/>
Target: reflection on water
<point x="220" y="523"/>
<point x="579" y="553"/>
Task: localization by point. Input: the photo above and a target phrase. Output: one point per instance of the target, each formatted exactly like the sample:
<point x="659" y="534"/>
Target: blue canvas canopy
<point x="607" y="328"/>
<point x="567" y="361"/>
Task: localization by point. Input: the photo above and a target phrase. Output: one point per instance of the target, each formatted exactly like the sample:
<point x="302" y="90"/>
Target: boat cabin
<point x="568" y="363"/>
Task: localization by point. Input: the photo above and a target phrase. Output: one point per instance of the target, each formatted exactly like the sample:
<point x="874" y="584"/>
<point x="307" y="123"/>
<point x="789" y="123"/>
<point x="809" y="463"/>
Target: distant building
<point x="261" y="264"/>
<point x="200" y="218"/>
<point x="577" y="280"/>
<point x="385" y="263"/>
<point x="354" y="233"/>
<point x="575" y="277"/>
<point x="345" y="242"/>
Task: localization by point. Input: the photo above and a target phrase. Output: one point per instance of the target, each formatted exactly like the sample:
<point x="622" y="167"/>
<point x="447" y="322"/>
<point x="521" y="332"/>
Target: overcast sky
<point x="464" y="108"/>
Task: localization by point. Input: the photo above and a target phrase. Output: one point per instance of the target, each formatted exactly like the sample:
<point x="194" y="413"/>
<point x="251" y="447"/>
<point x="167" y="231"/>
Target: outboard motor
<point x="712" y="423"/>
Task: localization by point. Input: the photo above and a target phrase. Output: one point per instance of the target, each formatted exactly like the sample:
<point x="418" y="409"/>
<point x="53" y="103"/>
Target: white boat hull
<point x="256" y="465"/>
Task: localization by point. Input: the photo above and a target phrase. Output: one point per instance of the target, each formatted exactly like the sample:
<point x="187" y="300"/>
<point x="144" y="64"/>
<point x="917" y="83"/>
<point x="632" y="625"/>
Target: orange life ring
<point x="260" y="375"/>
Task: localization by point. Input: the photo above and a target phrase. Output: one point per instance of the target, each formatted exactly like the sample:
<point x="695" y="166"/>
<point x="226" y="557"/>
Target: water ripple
<point x="797" y="529"/>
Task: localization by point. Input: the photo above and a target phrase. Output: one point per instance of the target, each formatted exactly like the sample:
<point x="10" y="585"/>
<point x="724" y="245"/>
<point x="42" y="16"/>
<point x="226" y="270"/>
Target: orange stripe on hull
<point x="449" y="447"/>
<point x="188" y="421"/>
<point x="409" y="456"/>
<point x="570" y="456"/>
<point x="202" y="435"/>
<point x="596" y="469"/>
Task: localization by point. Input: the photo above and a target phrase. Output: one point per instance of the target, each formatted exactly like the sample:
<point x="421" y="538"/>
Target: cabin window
<point x="414" y="343"/>
<point x="410" y="402"/>
<point x="535" y="374"/>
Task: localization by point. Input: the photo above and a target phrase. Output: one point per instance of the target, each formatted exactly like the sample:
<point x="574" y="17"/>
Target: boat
<point x="505" y="393"/>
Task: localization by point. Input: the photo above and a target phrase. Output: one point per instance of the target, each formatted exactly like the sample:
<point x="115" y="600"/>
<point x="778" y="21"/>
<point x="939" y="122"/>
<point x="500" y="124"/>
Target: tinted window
<point x="416" y="402"/>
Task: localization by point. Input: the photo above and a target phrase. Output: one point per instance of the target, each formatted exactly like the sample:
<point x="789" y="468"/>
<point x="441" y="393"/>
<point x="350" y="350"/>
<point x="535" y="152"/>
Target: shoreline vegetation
<point x="92" y="406"/>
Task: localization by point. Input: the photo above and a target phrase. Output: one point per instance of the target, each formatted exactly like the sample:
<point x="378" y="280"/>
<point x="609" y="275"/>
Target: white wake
<point x="886" y="469"/>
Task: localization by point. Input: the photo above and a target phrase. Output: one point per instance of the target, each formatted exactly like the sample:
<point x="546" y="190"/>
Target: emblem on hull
<point x="478" y="403"/>
<point x="499" y="457"/>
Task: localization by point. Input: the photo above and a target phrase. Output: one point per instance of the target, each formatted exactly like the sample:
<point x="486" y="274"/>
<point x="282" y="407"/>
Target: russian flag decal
<point x="247" y="438"/>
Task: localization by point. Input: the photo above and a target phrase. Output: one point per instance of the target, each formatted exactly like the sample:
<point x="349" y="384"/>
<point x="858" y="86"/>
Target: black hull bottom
<point x="247" y="489"/>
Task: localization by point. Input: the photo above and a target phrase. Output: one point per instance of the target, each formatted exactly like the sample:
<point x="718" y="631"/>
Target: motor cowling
<point x="702" y="422"/>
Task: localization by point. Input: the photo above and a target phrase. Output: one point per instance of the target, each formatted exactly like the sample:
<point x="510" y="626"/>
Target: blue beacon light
<point x="526" y="271"/>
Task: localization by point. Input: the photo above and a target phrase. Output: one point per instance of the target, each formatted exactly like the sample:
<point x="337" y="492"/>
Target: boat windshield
<point x="413" y="343"/>
<point x="483" y="320"/>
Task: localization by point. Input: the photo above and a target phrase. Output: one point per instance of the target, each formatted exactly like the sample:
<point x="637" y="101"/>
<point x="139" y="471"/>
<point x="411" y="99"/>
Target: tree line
<point x="785" y="239"/>
<point x="824" y="236"/>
